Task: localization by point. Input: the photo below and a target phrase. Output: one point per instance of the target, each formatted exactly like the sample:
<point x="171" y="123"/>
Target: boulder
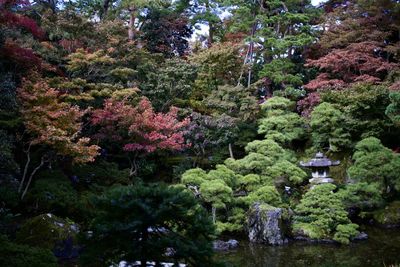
<point x="264" y="224"/>
<point x="225" y="245"/>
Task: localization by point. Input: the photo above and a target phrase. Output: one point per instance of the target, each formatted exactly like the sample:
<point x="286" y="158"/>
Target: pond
<point x="381" y="249"/>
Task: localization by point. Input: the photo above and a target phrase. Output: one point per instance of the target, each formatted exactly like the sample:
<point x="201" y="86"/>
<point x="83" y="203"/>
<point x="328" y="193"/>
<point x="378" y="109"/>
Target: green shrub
<point x="55" y="195"/>
<point x="344" y="232"/>
<point x="15" y="255"/>
<point x="319" y="214"/>
<point x="101" y="173"/>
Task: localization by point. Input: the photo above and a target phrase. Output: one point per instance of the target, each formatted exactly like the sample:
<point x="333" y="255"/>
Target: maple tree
<point x="139" y="128"/>
<point x="348" y="54"/>
<point x="52" y="123"/>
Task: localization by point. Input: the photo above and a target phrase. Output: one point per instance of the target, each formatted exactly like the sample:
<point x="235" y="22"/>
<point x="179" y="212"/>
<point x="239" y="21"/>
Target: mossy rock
<point x="388" y="216"/>
<point x="47" y="231"/>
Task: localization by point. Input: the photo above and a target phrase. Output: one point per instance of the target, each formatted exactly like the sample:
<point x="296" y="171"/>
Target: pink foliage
<point x="357" y="62"/>
<point x="307" y="104"/>
<point x="141" y="127"/>
<point x="9" y="18"/>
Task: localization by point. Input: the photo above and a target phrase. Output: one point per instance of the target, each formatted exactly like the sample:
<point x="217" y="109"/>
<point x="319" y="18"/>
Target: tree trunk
<point x="28" y="161"/>
<point x="230" y="150"/>
<point x="214" y="214"/>
<point x="104" y="10"/>
<point x="131" y="24"/>
<point x="31" y="177"/>
<point x="210" y="34"/>
<point x="134" y="167"/>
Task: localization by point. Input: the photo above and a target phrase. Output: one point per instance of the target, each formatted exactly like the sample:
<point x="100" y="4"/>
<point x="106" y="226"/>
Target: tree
<point x="234" y="101"/>
<point x="17" y="255"/>
<point x="134" y="8"/>
<point x="218" y="65"/>
<point x="280" y="124"/>
<point x="348" y="54"/>
<point x="277" y="32"/>
<point x="327" y="124"/>
<point x="144" y="222"/>
<point x="217" y="194"/>
<point x="139" y="129"/>
<point x="54" y="124"/>
<point x="376" y="164"/>
<point x="171" y="84"/>
<point x="207" y="12"/>
<point x="358" y="62"/>
<point x="393" y="109"/>
<point x="207" y="134"/>
<point x="166" y="31"/>
<point x="363" y="107"/>
<point x="321" y="214"/>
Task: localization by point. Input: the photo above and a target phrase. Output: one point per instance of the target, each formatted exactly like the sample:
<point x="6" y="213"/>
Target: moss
<point x="389" y="216"/>
<point x="46" y="231"/>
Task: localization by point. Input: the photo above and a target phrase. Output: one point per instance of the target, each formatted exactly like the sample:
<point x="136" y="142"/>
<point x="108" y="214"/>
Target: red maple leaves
<point x="142" y="128"/>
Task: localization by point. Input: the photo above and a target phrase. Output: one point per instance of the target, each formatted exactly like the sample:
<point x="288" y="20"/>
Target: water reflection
<point x="381" y="249"/>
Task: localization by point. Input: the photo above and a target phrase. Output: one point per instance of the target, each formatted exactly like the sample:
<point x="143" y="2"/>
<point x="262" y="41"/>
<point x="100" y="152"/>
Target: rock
<point x="313" y="241"/>
<point x="361" y="236"/>
<point x="264" y="224"/>
<point x="51" y="232"/>
<point x="222" y="245"/>
<point x="389" y="216"/>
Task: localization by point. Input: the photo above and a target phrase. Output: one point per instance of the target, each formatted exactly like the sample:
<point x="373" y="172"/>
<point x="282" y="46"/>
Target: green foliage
<point x="280" y="124"/>
<point x="374" y="163"/>
<point x="362" y="195"/>
<point x="235" y="101"/>
<point x="102" y="173"/>
<point x="270" y="149"/>
<point x="171" y="84"/>
<point x="238" y="183"/>
<point x="327" y="127"/>
<point x="216" y="192"/>
<point x="362" y="108"/>
<point x="288" y="172"/>
<point x="344" y="232"/>
<point x="282" y="71"/>
<point x="194" y="177"/>
<point x="53" y="194"/>
<point x="218" y="65"/>
<point x="265" y="194"/>
<point x="140" y="222"/>
<point x="46" y="231"/>
<point x="393" y="109"/>
<point x="319" y="214"/>
<point x="389" y="215"/>
<point x="16" y="255"/>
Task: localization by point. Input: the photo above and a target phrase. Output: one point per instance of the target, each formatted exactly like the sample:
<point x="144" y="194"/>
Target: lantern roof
<point x="320" y="160"/>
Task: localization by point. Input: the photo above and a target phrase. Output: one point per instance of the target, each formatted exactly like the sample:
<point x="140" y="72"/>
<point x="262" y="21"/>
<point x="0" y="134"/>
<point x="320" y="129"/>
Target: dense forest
<point x="143" y="130"/>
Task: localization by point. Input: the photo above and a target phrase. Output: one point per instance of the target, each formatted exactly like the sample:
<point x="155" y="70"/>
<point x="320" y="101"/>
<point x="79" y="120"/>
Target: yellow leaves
<point x="83" y="60"/>
<point x="53" y="122"/>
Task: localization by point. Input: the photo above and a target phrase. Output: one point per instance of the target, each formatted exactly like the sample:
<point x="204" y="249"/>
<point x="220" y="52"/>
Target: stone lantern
<point x="319" y="166"/>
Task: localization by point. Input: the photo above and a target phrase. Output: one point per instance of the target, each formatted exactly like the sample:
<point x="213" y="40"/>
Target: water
<point x="381" y="249"/>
